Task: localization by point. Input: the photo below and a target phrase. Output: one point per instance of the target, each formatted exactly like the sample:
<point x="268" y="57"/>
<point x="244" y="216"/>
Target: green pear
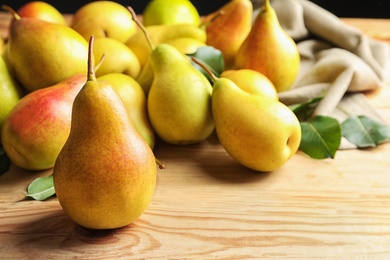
<point x="104" y="19"/>
<point x="105" y="174"/>
<point x="134" y="100"/>
<point x="39" y="124"/>
<point x="117" y="58"/>
<point x="41" y="54"/>
<point x="10" y="91"/>
<point x="269" y="50"/>
<point x="259" y="133"/>
<point x="170" y="12"/>
<point x="179" y="99"/>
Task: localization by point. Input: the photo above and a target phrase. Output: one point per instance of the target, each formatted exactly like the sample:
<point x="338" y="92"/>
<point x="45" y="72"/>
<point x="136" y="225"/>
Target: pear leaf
<point x="211" y="57"/>
<point x="4" y="161"/>
<point x="364" y="131"/>
<point x="41" y="188"/>
<point x="321" y="137"/>
<point x="305" y="110"/>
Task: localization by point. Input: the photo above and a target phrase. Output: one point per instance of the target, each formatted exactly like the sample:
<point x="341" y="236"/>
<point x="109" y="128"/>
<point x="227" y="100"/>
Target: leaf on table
<point x="212" y="58"/>
<point x="321" y="137"/>
<point x="4" y="161"/>
<point x="41" y="188"/>
<point x="364" y="131"/>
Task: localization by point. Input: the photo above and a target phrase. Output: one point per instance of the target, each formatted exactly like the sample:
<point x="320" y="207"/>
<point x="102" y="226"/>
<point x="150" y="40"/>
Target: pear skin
<point x="105" y="174"/>
<point x="161" y="34"/>
<point x="42" y="10"/>
<point x="179" y="100"/>
<point x="228" y="27"/>
<point x="39" y="124"/>
<point x="258" y="133"/>
<point x="134" y="100"/>
<point x="41" y="53"/>
<point x="270" y="50"/>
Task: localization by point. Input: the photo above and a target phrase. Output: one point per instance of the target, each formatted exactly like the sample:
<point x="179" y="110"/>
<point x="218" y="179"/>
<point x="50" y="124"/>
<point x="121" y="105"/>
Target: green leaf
<point x="321" y="137"/>
<point x="4" y="161"/>
<point x="364" y="131"/>
<point x="305" y="110"/>
<point x="41" y="188"/>
<point x="211" y="58"/>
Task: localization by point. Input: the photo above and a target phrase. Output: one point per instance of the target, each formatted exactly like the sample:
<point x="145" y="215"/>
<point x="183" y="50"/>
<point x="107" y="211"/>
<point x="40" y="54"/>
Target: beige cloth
<point x="337" y="61"/>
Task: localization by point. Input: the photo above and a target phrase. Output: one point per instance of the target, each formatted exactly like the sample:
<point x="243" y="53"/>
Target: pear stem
<point x="141" y="26"/>
<point x="91" y="60"/>
<point x="10" y="10"/>
<point x="203" y="66"/>
<point x="205" y="24"/>
<point x="160" y="165"/>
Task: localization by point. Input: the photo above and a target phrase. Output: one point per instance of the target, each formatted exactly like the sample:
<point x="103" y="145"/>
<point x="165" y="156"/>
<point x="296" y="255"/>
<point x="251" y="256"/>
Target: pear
<point x="41" y="10"/>
<point x="134" y="100"/>
<point x="253" y="82"/>
<point x="179" y="99"/>
<point x="170" y="12"/>
<point x="228" y="27"/>
<point x="270" y="50"/>
<point x="105" y="174"/>
<point x="257" y="132"/>
<point x="117" y="58"/>
<point x="41" y="54"/>
<point x="161" y="34"/>
<point x="10" y="91"/>
<point x="104" y="19"/>
<point x="38" y="125"/>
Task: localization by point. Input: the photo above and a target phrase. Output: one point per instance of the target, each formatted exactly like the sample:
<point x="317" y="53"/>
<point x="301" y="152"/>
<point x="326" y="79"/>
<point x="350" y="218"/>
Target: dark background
<point x="341" y="8"/>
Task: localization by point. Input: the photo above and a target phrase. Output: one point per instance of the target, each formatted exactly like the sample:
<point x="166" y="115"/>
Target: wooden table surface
<point x="207" y="207"/>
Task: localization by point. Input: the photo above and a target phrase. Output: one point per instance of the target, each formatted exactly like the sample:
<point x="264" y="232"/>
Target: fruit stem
<point x="205" y="24"/>
<point x="141" y="26"/>
<point x="160" y="165"/>
<point x="10" y="10"/>
<point x="91" y="60"/>
<point x="204" y="66"/>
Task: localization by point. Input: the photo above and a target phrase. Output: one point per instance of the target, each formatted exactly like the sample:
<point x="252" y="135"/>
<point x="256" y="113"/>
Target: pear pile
<point x="60" y="112"/>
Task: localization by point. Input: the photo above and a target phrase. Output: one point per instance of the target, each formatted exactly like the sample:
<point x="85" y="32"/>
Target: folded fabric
<point x="338" y="61"/>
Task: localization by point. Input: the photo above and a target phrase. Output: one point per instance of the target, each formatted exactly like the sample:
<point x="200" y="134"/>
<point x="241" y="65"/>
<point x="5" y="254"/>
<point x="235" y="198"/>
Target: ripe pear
<point x="134" y="100"/>
<point x="41" y="54"/>
<point x="105" y="175"/>
<point x="10" y="91"/>
<point x="118" y="58"/>
<point x="39" y="124"/>
<point x="270" y="50"/>
<point x="257" y="132"/>
<point x="253" y="82"/>
<point x="170" y="12"/>
<point x="161" y="34"/>
<point x="228" y="27"/>
<point x="104" y="19"/>
<point x="42" y="10"/>
<point x="179" y="100"/>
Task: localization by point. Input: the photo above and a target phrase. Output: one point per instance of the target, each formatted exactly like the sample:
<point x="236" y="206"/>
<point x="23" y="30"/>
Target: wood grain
<point x="206" y="206"/>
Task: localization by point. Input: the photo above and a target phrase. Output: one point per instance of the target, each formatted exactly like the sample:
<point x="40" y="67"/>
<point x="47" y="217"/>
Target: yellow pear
<point x="252" y="81"/>
<point x="270" y="50"/>
<point x="117" y="58"/>
<point x="105" y="174"/>
<point x="41" y="10"/>
<point x="104" y="19"/>
<point x="161" y="34"/>
<point x="259" y="133"/>
<point x="134" y="100"/>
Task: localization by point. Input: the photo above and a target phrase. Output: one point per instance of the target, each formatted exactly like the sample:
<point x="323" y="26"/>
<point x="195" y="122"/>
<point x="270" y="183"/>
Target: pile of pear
<point x="43" y="68"/>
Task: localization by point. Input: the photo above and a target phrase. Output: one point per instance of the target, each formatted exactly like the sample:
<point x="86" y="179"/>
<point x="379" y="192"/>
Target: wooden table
<point x="206" y="206"/>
